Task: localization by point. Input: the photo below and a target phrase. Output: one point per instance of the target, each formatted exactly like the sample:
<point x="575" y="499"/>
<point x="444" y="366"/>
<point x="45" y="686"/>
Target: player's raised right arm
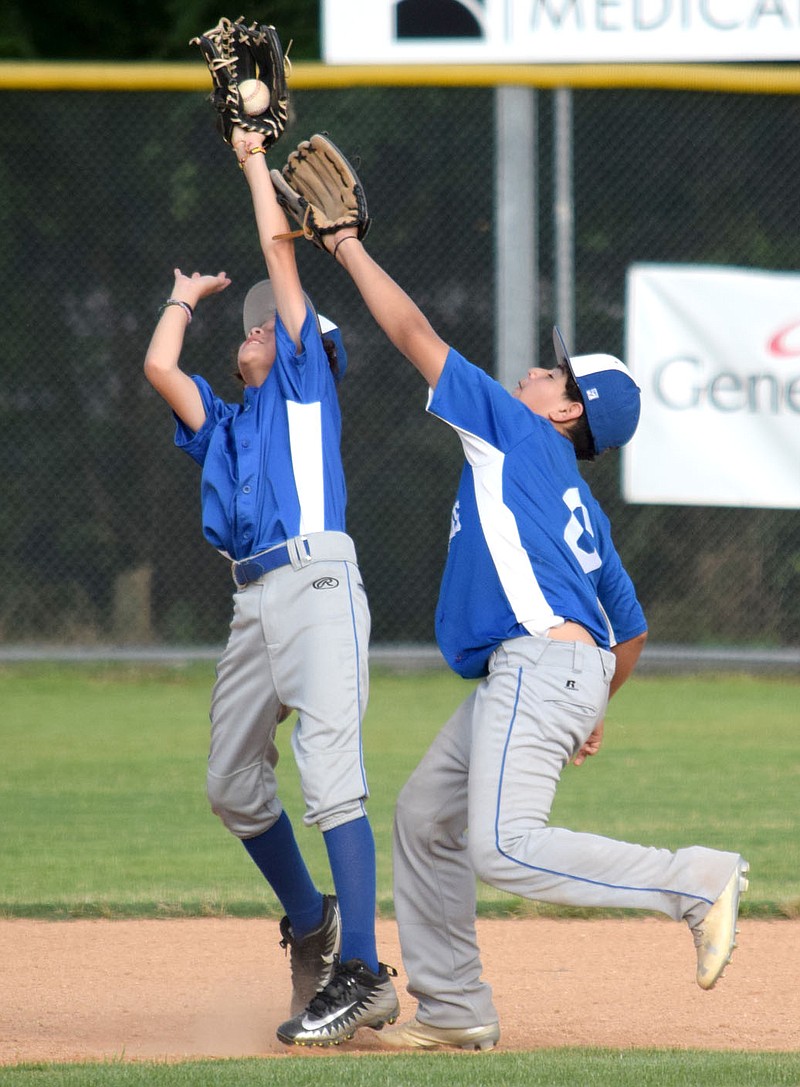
<point x="161" y="364"/>
<point x="273" y="233"/>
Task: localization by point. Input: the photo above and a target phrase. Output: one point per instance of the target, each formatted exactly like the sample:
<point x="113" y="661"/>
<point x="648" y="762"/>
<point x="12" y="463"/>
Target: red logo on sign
<point x="786" y="342"/>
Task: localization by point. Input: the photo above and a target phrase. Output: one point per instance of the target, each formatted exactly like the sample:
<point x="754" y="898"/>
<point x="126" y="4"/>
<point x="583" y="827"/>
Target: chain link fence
<point x="102" y="194"/>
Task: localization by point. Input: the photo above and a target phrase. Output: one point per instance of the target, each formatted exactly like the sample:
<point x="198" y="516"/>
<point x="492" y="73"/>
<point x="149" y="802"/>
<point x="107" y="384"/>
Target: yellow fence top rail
<point x="143" y="76"/>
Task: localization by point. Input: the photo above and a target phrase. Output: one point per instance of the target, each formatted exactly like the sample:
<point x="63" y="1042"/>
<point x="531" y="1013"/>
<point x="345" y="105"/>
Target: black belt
<point x="246" y="570"/>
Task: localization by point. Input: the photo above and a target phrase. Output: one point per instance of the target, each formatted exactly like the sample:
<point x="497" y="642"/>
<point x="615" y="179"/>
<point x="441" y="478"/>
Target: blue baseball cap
<point x="611" y="398"/>
<point x="259" y="306"/>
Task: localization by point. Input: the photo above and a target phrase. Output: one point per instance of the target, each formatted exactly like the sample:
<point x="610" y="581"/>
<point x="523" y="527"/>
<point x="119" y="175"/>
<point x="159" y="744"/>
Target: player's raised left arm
<point x="162" y="361"/>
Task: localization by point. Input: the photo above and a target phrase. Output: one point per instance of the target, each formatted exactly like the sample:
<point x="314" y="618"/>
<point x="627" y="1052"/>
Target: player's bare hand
<point x="196" y="286"/>
<point x="591" y="746"/>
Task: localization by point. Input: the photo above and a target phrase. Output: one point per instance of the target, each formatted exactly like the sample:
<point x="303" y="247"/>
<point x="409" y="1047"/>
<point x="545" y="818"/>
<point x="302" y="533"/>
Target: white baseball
<point x="255" y="96"/>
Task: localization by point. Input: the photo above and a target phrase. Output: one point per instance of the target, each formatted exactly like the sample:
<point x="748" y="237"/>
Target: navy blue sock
<point x="351" y="852"/>
<point x="279" y="859"/>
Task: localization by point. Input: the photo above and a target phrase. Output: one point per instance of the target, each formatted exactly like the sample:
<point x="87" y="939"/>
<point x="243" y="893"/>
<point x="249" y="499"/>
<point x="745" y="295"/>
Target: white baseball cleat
<point x="715" y="935"/>
<point x="416" y="1035"/>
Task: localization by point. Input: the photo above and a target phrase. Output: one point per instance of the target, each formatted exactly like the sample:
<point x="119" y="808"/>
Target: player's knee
<point x="242" y="814"/>
<point x="494" y="852"/>
<point x="411" y="819"/>
<point x="424" y="825"/>
<point x="407" y="828"/>
<point x="419" y="800"/>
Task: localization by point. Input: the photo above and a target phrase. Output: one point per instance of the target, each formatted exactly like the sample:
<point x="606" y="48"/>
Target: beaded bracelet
<point x="187" y="309"/>
<point x="260" y="150"/>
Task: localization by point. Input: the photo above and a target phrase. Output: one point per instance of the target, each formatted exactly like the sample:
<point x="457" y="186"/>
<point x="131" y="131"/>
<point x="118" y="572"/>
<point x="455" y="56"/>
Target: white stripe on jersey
<point x="305" y="442"/>
<point x="501" y="533"/>
<point x="612" y="640"/>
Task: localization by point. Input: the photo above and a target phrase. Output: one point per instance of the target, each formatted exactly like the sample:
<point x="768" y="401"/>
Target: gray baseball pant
<point x="299" y="637"/>
<point x="478" y="805"/>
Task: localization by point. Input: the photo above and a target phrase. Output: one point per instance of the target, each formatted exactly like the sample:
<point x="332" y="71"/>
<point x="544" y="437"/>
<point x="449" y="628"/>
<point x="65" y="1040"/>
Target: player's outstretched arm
<point x="271" y="222"/>
<point x="161" y="364"/>
<point x="400" y="318"/>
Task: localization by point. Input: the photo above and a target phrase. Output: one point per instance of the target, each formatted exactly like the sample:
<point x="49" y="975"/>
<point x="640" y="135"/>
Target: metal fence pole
<point x="564" y="215"/>
<point x="516" y="198"/>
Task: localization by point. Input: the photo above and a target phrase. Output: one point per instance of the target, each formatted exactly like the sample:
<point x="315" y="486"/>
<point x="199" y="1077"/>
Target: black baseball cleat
<point x="313" y="959"/>
<point x="354" y="997"/>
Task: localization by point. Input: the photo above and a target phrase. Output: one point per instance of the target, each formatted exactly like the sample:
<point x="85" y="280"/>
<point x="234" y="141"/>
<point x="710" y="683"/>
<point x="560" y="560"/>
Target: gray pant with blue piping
<point x="478" y="804"/>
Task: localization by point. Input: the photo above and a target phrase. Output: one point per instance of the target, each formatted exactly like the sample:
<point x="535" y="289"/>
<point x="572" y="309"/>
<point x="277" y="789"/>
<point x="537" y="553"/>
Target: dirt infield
<point x="85" y="990"/>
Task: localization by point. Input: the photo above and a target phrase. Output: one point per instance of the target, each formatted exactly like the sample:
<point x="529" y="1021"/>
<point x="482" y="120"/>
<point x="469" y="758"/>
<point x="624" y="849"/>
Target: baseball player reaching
<point x="535" y="604"/>
<point x="273" y="502"/>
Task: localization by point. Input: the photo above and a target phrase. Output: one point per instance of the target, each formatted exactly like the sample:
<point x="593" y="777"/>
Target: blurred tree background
<point x="129" y="30"/>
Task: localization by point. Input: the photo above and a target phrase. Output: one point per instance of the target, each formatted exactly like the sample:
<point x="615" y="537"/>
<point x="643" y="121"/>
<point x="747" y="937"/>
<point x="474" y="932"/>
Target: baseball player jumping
<point x="535" y="603"/>
<point x="273" y="502"/>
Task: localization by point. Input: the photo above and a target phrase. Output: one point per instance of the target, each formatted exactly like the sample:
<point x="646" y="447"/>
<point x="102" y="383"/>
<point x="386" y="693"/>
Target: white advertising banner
<point x="716" y="353"/>
<point x="558" y="31"/>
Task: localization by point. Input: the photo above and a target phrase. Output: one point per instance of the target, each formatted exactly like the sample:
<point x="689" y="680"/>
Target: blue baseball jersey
<point x="530" y="547"/>
<point x="272" y="466"/>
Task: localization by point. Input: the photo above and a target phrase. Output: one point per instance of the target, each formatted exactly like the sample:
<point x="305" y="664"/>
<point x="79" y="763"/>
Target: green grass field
<point x="545" y="1068"/>
<point x="103" y="813"/>
<point x="102" y="785"/>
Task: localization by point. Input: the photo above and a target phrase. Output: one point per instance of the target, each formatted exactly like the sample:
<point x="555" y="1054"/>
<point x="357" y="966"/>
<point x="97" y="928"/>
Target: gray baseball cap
<point x="611" y="398"/>
<point x="259" y="306"/>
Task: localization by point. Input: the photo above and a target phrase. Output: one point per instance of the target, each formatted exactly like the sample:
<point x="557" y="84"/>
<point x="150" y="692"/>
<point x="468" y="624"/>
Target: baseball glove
<point x="321" y="191"/>
<point x="235" y="53"/>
